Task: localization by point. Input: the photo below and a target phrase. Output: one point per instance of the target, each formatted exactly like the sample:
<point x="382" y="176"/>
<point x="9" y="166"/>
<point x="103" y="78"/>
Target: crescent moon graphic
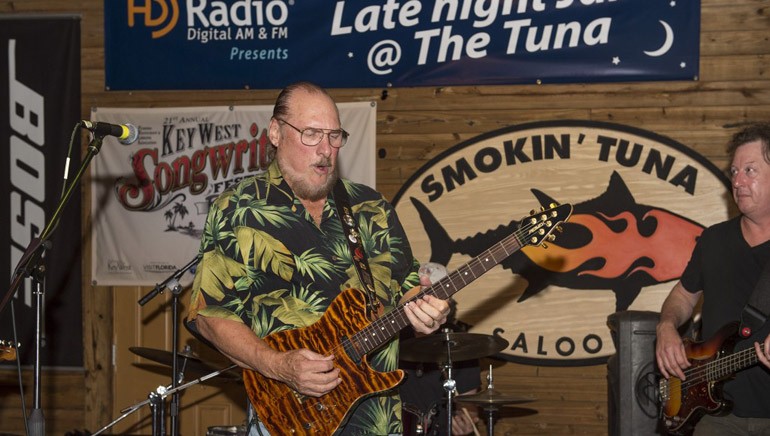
<point x="666" y="44"/>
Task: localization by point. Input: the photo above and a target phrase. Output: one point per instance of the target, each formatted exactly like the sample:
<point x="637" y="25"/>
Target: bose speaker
<point x="632" y="375"/>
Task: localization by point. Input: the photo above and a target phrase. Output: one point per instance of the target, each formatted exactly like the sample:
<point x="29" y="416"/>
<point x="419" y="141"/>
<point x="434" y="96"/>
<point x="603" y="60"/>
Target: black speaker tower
<point x="632" y="375"/>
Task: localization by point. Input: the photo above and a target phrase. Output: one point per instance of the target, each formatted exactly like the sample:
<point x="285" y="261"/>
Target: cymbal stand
<point x="158" y="410"/>
<point x="490" y="408"/>
<point x="159" y="395"/>
<point x="449" y="384"/>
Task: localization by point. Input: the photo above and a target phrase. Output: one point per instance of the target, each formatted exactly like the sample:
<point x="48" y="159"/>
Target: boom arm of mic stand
<point x="33" y="255"/>
<point x="159" y="288"/>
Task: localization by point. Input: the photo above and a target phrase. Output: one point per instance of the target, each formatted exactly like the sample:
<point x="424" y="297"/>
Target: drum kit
<point x="443" y="348"/>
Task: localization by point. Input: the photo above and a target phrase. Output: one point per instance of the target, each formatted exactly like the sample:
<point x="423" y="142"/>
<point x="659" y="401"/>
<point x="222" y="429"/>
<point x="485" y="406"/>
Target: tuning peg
<point x="551" y="237"/>
<point x="544" y="245"/>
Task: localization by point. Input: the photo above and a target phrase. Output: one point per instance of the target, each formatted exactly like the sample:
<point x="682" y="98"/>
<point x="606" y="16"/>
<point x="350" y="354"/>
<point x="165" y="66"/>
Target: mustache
<point x="324" y="162"/>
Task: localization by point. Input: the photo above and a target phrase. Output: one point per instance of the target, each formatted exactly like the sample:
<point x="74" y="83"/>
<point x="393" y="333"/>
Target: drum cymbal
<point x="492" y="397"/>
<point x="187" y="362"/>
<point x="162" y="356"/>
<point x="462" y="346"/>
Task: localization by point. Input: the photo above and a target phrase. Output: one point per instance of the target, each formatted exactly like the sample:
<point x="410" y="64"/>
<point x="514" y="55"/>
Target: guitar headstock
<point x="7" y="351"/>
<point x="540" y="226"/>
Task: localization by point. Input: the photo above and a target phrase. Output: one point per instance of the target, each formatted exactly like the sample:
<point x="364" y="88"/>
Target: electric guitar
<point x="7" y="351"/>
<point x="346" y="331"/>
<point x="684" y="402"/>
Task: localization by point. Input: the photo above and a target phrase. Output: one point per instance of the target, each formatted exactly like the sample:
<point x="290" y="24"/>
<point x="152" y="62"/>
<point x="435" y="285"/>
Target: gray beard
<point x="304" y="190"/>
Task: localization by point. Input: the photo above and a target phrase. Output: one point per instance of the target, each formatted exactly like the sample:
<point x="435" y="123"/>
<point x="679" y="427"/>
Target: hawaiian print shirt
<point x="266" y="263"/>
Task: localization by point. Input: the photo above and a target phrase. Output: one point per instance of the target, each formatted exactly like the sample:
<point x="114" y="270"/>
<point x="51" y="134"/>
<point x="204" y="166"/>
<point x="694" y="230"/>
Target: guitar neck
<point x="734" y="362"/>
<point x="386" y="327"/>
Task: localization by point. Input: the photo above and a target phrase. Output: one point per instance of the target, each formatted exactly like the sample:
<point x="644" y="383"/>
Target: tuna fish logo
<point x="610" y="243"/>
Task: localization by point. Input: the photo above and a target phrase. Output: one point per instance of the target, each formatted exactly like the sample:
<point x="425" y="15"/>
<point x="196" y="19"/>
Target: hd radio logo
<point x="206" y="20"/>
<point x="640" y="201"/>
<point x="159" y="15"/>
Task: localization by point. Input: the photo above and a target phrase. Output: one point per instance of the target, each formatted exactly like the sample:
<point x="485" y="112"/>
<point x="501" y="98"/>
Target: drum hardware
<point x="188" y="362"/>
<point x="462" y="346"/>
<point x="155" y="400"/>
<point x="445" y="346"/>
<point x="490" y="400"/>
<point x="415" y="421"/>
<point x="226" y="430"/>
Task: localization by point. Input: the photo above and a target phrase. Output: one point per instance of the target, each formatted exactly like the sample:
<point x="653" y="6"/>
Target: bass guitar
<point x="346" y="331"/>
<point x="684" y="402"/>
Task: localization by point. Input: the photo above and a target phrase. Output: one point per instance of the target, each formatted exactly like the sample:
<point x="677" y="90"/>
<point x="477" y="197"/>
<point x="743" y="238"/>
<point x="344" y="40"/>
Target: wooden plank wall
<point x="413" y="126"/>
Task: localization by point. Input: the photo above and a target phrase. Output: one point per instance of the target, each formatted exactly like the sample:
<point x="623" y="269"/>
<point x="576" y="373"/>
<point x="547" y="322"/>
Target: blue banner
<point x="235" y="44"/>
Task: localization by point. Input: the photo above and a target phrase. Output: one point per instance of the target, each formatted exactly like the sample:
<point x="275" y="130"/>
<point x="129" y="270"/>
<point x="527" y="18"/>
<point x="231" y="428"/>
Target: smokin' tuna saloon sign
<point x="640" y="201"/>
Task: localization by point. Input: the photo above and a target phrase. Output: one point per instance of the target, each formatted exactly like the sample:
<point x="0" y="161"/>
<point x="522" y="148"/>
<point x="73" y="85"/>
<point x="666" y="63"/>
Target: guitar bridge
<point x="663" y="390"/>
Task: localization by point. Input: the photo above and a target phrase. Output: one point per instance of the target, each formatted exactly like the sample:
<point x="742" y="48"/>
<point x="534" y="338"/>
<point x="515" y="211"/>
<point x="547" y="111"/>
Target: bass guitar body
<point x="684" y="402"/>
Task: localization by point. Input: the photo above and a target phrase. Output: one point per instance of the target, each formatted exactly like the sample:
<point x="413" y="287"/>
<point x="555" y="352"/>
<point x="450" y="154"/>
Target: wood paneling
<point x="413" y="126"/>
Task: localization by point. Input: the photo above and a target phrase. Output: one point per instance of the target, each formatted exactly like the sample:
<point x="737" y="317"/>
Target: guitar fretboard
<point x="732" y="363"/>
<point x="386" y="327"/>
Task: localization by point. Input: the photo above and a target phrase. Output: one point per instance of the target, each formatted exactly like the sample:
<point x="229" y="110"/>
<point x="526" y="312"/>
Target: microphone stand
<point x="172" y="283"/>
<point x="31" y="265"/>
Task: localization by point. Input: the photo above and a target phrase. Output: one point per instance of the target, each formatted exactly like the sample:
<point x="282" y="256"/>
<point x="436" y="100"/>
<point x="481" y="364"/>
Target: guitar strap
<point x="757" y="308"/>
<point x="357" y="252"/>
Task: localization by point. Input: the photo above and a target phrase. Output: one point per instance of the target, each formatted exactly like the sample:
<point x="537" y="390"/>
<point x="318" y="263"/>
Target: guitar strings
<point x="718" y="368"/>
<point x="517" y="234"/>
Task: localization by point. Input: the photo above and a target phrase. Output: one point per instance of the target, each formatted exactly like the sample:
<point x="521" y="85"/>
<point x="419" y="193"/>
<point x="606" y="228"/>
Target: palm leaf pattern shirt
<point x="267" y="264"/>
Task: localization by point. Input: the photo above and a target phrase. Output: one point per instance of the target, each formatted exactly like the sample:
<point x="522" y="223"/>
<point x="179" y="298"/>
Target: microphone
<point x="126" y="133"/>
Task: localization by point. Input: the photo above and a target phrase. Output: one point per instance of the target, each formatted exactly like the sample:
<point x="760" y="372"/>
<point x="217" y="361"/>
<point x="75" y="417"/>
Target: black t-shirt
<point x="726" y="268"/>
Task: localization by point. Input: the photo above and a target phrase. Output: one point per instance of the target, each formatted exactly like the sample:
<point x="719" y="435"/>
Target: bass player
<point x="723" y="269"/>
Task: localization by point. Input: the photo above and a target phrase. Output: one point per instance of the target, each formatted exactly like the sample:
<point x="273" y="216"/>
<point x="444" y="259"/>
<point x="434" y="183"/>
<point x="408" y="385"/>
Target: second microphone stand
<point x="172" y="283"/>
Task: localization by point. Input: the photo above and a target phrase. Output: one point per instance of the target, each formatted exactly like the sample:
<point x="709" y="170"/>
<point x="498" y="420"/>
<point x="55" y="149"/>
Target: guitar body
<point x="286" y="412"/>
<point x="684" y="403"/>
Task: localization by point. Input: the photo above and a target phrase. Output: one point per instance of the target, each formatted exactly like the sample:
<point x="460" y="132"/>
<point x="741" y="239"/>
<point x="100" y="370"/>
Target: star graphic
<point x="350" y="54"/>
<point x="615" y="60"/>
<point x="673" y="3"/>
<point x="682" y="64"/>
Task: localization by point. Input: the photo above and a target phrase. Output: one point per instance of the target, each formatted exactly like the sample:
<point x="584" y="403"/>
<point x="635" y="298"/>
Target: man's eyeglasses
<point x="311" y="136"/>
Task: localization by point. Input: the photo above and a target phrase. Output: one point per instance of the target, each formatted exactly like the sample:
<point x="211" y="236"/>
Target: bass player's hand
<point x="764" y="355"/>
<point x="670" y="352"/>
